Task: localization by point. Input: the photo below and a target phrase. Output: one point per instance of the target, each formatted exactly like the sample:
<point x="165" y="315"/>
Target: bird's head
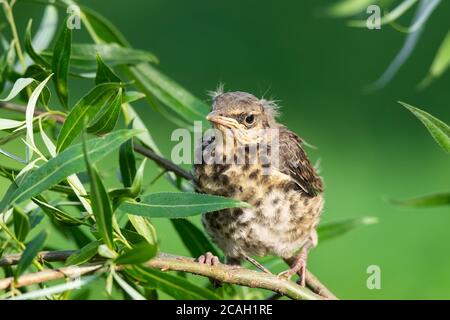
<point x="243" y="114"/>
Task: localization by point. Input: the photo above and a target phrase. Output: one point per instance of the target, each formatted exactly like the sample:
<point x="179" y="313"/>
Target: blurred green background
<point x="371" y="149"/>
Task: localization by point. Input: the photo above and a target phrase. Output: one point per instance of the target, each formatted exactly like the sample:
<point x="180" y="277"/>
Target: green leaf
<point x="31" y="250"/>
<point x="7" y="64"/>
<point x="142" y="252"/>
<point x="72" y="285"/>
<point x="6" y="124"/>
<point x="65" y="164"/>
<point x="193" y="238"/>
<point x="438" y="199"/>
<point x="57" y="214"/>
<point x="36" y="57"/>
<point x="131" y="96"/>
<point x="106" y="252"/>
<point x="84" y="55"/>
<point x="36" y="72"/>
<point x="104" y="73"/>
<point x="106" y="119"/>
<point x="21" y="224"/>
<point x="438" y="129"/>
<point x="103" y="28"/>
<point x="347" y="8"/>
<point x="332" y="230"/>
<point x="144" y="227"/>
<point x="101" y="204"/>
<point x="155" y="84"/>
<point x="136" y="187"/>
<point x="18" y="86"/>
<point x="127" y="288"/>
<point x="84" y="254"/>
<point x="60" y="63"/>
<point x="29" y="116"/>
<point x="127" y="162"/>
<point x="177" y="287"/>
<point x="440" y="63"/>
<point x="85" y="108"/>
<point x="178" y="205"/>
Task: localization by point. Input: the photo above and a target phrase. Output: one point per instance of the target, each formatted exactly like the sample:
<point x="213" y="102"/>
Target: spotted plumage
<point x="286" y="195"/>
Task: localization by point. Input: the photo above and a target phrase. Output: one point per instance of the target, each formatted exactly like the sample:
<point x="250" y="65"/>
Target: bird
<point x="285" y="196"/>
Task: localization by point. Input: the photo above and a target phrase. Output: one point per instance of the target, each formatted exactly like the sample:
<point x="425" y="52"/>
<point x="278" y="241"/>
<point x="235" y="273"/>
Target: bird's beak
<point x="224" y="121"/>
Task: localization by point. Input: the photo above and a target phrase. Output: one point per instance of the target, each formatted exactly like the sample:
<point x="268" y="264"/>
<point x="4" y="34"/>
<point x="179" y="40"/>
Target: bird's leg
<point x="298" y="263"/>
<point x="257" y="264"/>
<point x="209" y="259"/>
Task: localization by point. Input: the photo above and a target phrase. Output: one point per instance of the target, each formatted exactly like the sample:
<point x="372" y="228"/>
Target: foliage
<point x="61" y="184"/>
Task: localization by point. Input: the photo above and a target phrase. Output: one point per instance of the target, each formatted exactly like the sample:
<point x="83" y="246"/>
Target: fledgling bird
<point x="285" y="195"/>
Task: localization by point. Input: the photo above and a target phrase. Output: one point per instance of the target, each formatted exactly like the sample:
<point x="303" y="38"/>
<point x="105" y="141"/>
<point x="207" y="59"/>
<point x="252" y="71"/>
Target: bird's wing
<point x="295" y="163"/>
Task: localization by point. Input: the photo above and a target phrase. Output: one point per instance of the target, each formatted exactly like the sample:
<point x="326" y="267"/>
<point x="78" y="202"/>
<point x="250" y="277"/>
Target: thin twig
<point x="165" y="262"/>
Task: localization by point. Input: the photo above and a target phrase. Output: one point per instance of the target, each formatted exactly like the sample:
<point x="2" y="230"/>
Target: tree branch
<point x="165" y="262"/>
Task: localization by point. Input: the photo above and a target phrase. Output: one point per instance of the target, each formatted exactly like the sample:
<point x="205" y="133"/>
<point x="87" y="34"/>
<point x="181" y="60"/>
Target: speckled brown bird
<point x="285" y="195"/>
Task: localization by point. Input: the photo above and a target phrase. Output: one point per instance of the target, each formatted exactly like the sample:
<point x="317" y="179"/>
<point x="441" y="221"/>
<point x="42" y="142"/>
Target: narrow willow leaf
<point x="332" y="230"/>
<point x="60" y="63"/>
<point x="47" y="29"/>
<point x="142" y="252"/>
<point x="107" y="118"/>
<point x="20" y="177"/>
<point x="144" y="227"/>
<point x="177" y="287"/>
<point x="132" y="96"/>
<point x="438" y="129"/>
<point x="84" y="254"/>
<point x="153" y="83"/>
<point x="36" y="72"/>
<point x="85" y="109"/>
<point x="21" y="224"/>
<point x="18" y="86"/>
<point x="423" y="11"/>
<point x="48" y="143"/>
<point x="347" y="8"/>
<point x="34" y="55"/>
<point x="71" y="285"/>
<point x="29" y="115"/>
<point x="178" y="205"/>
<point x="12" y="156"/>
<point x="105" y="252"/>
<point x="102" y="27"/>
<point x="440" y="63"/>
<point x="136" y="186"/>
<point x="57" y="214"/>
<point x="84" y="55"/>
<point x="393" y="15"/>
<point x="127" y="288"/>
<point x="432" y="200"/>
<point x="193" y="238"/>
<point x="31" y="250"/>
<point x="7" y="64"/>
<point x="127" y="163"/>
<point x="104" y="73"/>
<point x="100" y="202"/>
<point x="64" y="165"/>
<point x="10" y="124"/>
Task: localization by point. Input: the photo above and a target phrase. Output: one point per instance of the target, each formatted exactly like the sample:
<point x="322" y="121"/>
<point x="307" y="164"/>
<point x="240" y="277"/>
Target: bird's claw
<point x="209" y="259"/>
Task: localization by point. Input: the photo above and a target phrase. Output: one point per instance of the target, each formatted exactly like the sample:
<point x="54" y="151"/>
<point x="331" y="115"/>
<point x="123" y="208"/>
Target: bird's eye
<point x="250" y="119"/>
